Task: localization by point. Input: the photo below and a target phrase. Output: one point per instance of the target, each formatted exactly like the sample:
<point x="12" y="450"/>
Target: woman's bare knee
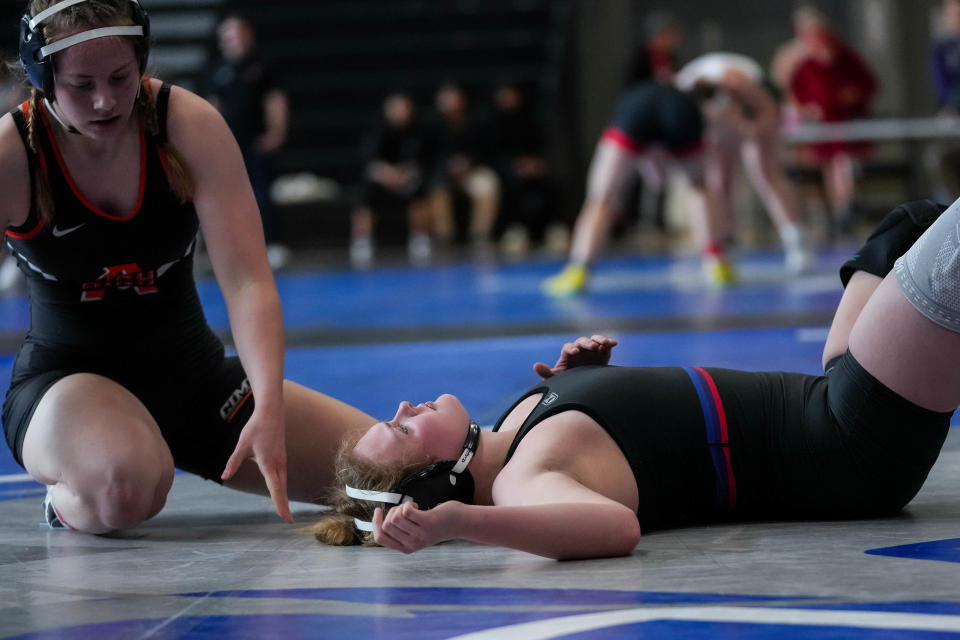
<point x="95" y="439"/>
<point x="124" y="495"/>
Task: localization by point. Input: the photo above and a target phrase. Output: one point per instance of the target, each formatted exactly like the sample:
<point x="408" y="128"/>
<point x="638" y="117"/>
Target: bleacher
<point x="338" y="59"/>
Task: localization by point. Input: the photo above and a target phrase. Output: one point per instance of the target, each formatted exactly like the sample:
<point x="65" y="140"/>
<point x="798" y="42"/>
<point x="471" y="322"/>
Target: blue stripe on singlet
<point x="714" y="419"/>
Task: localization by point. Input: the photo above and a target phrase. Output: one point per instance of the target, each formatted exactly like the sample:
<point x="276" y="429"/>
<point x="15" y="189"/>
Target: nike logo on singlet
<point x="59" y="233"/>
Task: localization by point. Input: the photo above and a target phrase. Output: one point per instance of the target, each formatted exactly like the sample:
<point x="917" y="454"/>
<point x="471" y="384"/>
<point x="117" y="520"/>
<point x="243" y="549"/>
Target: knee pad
<point x="929" y="272"/>
<point x="896" y="233"/>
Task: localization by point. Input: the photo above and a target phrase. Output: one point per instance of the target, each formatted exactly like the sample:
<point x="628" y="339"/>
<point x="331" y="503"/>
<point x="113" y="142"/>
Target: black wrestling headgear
<point x="440" y="482"/>
<point x="35" y="53"/>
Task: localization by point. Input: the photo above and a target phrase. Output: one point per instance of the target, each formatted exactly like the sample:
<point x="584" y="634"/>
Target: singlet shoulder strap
<point x="163" y="103"/>
<point x="559" y="393"/>
<point x="535" y="416"/>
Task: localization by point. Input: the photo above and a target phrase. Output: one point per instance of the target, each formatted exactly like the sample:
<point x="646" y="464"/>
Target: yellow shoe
<point x="719" y="271"/>
<point x="571" y="280"/>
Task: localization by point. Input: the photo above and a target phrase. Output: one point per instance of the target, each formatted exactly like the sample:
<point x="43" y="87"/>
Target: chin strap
<point x="56" y="116"/>
<point x="469" y="449"/>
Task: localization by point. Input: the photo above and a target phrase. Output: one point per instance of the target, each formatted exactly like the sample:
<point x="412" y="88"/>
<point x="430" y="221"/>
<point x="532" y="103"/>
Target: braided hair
<point x="338" y="528"/>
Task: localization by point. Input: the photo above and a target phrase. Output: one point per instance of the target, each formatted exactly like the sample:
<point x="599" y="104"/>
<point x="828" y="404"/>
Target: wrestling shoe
<point x="572" y="280"/>
<point x="50" y="514"/>
<point x="718" y="270"/>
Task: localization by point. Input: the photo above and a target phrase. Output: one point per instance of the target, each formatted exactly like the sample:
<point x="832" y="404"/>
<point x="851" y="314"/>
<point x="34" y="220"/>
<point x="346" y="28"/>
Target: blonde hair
<point x="338" y="527"/>
<point x="89" y="15"/>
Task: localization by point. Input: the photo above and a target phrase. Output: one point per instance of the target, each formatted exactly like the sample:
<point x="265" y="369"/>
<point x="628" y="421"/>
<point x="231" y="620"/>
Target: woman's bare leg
<point x="840" y="188"/>
<point x="908" y="334"/>
<point x="762" y="165"/>
<point x="905" y="351"/>
<point x="610" y="169"/>
<point x="855" y="296"/>
<point x="101" y="451"/>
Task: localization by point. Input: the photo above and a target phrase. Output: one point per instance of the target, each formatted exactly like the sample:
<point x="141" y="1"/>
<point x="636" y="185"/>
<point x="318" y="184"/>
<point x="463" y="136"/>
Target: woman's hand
<point x="593" y="350"/>
<point x="407" y="529"/>
<point x="263" y="440"/>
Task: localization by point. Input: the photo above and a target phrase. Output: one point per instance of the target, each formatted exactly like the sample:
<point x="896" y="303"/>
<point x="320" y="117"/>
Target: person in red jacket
<point x="833" y="83"/>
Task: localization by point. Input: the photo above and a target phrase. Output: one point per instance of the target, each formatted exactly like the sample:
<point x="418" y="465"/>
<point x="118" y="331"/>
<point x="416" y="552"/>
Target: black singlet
<point x="708" y="444"/>
<point x="655" y="417"/>
<point x="117" y="286"/>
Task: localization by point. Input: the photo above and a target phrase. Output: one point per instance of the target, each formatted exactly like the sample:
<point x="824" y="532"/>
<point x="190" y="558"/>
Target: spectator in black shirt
<point x="459" y="153"/>
<point x="520" y="162"/>
<point x="249" y="96"/>
<point x="393" y="182"/>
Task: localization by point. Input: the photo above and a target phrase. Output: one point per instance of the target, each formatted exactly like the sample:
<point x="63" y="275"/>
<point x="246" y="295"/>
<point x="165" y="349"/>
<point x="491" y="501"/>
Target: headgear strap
<point x="35" y="52"/>
<point x="77" y="38"/>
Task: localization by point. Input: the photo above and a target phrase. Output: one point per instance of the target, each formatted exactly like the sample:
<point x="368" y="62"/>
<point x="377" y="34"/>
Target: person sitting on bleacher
<point x="459" y="172"/>
<point x="528" y="211"/>
<point x="393" y="182"/>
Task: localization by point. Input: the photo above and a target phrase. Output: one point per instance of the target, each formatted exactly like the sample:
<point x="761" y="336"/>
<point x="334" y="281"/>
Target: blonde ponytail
<point x="338" y="527"/>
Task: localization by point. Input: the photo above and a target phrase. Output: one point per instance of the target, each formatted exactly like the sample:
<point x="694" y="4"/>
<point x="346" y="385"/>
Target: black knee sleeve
<point x="893" y="236"/>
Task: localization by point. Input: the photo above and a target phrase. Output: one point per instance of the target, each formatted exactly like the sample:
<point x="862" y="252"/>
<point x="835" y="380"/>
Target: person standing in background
<point x="945" y="59"/>
<point x="655" y="59"/>
<point x="249" y="96"/>
<point x="655" y="124"/>
<point x="943" y="158"/>
<point x="742" y="111"/>
<point x="832" y="83"/>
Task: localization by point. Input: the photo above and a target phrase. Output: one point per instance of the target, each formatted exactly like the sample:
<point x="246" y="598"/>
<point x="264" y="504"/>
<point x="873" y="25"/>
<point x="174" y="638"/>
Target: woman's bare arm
<point x="574" y="522"/>
<point x="15" y="176"/>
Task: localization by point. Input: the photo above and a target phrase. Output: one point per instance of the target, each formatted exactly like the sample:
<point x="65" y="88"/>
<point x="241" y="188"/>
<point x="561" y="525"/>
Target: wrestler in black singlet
<point x="656" y="114"/>
<point x="714" y="444"/>
<point x="115" y="295"/>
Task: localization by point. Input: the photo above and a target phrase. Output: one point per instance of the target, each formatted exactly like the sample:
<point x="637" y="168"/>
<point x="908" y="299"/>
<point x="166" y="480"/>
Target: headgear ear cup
<point x="39" y="71"/>
<point x="142" y="44"/>
<point x="39" y="68"/>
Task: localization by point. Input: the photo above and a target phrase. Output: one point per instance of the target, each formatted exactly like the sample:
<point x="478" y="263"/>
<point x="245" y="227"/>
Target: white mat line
<point x="567" y="625"/>
<point x="20" y="477"/>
